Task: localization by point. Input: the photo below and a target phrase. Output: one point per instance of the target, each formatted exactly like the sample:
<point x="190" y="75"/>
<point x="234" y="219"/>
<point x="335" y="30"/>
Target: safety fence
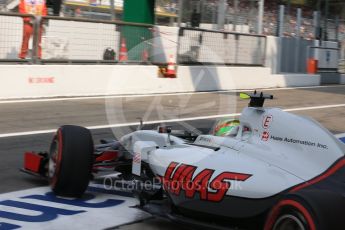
<point x="79" y="40"/>
<point x="63" y="39"/>
<point x="200" y="46"/>
<point x="11" y="35"/>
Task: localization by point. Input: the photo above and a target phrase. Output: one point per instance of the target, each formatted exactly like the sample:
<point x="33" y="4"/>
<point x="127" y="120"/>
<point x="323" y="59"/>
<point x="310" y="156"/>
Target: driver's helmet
<point x="224" y="127"/>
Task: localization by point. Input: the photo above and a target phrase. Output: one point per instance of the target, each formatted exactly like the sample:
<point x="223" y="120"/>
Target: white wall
<point x="273" y="53"/>
<point x="22" y="81"/>
<point x="295" y="80"/>
<point x="29" y="81"/>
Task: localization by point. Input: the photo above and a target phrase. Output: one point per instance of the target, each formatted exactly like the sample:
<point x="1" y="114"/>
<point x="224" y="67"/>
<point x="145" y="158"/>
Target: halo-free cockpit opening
<point x="230" y="127"/>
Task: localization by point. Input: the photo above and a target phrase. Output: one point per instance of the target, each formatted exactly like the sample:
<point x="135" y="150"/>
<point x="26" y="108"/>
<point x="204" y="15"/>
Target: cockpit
<point x="229" y="127"/>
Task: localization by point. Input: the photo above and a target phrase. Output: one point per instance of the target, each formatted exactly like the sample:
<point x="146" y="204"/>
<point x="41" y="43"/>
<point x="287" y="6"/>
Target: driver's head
<point x="224" y="127"/>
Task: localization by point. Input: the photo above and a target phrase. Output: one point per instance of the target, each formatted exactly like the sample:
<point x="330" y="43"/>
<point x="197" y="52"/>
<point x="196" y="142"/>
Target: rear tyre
<point x="291" y="220"/>
<point x="290" y="214"/>
<point x="70" y="161"/>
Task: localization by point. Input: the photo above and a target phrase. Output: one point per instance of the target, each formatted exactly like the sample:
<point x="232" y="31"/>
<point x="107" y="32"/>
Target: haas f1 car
<point x="269" y="170"/>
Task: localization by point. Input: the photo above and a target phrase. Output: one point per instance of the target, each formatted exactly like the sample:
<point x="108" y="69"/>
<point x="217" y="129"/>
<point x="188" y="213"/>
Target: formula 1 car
<point x="270" y="170"/>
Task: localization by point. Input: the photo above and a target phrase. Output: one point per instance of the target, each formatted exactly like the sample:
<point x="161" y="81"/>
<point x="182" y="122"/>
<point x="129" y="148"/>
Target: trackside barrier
<point x="342" y="79"/>
<point x="201" y="46"/>
<point x="70" y="39"/>
<point x="37" y="81"/>
<point x="327" y="56"/>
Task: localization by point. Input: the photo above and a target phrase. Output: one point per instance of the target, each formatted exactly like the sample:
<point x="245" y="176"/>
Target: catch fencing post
<point x="221" y="14"/>
<point x="316" y="25"/>
<point x="298" y="23"/>
<point x="234" y="22"/>
<point x="325" y="28"/>
<point x="337" y="28"/>
<point x="298" y="40"/>
<point x="260" y="16"/>
<point x="280" y="30"/>
<point x="179" y="18"/>
<point x="36" y="39"/>
<point x="112" y="10"/>
<point x="280" y="27"/>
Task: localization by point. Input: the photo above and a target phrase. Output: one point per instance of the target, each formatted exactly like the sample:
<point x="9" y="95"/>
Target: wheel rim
<point x="289" y="222"/>
<point x="53" y="158"/>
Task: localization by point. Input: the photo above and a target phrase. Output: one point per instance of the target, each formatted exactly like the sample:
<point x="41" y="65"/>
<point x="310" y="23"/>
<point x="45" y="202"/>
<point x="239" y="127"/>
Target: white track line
<point x="103" y="97"/>
<point x="314" y="107"/>
<point x="120" y="125"/>
<point x="340" y="135"/>
<point x="9" y="101"/>
<point x="162" y="121"/>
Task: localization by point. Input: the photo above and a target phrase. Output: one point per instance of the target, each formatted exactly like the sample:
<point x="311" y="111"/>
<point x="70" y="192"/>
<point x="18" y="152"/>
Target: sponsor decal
<point x="40" y="209"/>
<point x="267" y="121"/>
<point x="182" y="177"/>
<point x="136" y="164"/>
<point x="41" y="80"/>
<point x="300" y="142"/>
<point x="205" y="139"/>
<point x="265" y="135"/>
<point x="137" y="158"/>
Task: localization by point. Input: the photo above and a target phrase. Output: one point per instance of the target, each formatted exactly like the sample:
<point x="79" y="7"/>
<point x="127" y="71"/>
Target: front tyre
<point x="70" y="161"/>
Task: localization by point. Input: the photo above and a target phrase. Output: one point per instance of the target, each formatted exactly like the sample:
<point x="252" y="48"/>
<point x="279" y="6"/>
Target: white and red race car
<point x="273" y="171"/>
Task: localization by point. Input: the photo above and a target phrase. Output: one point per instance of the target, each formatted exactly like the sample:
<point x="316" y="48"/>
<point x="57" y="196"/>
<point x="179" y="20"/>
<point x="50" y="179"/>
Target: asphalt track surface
<point x="324" y="104"/>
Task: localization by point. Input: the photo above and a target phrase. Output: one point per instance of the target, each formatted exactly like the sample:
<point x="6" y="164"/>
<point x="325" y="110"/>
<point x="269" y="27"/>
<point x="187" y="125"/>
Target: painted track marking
<point x="13" y="101"/>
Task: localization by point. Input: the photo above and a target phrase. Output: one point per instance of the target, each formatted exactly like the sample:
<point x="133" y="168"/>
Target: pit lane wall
<point x="37" y="81"/>
<point x="342" y="79"/>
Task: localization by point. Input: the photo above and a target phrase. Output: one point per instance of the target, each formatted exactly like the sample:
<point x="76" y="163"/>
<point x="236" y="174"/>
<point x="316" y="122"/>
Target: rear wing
<point x="256" y="99"/>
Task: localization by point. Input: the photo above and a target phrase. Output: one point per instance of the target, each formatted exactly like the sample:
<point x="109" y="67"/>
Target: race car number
<point x="180" y="177"/>
<point x="267" y="121"/>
